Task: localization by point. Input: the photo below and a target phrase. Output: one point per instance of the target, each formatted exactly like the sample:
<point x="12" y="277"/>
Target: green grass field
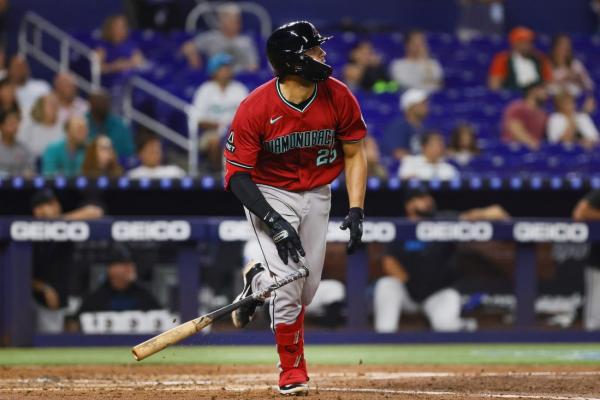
<point x="331" y="355"/>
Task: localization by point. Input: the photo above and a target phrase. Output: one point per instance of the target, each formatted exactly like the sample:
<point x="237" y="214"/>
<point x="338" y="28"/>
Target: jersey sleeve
<point x="243" y="144"/>
<point x="351" y="124"/>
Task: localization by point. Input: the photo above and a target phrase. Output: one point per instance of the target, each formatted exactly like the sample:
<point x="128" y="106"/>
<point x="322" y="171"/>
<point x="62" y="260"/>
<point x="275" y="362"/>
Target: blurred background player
<point x="588" y="209"/>
<point x="422" y="274"/>
<point x="289" y="139"/>
<point x="121" y="290"/>
<point x="52" y="261"/>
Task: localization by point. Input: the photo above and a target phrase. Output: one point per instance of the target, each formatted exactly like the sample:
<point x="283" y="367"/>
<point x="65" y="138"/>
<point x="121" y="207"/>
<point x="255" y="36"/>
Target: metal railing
<point x="189" y="143"/>
<point x="31" y="33"/>
<point x="36" y="28"/>
<point x="207" y="11"/>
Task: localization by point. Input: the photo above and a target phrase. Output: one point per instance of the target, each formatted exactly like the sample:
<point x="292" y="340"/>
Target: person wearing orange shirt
<point x="521" y="66"/>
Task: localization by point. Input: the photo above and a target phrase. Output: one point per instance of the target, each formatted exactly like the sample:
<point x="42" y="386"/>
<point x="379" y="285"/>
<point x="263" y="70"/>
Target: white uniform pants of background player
<point x="591" y="312"/>
<point x="442" y="308"/>
<point x="308" y="213"/>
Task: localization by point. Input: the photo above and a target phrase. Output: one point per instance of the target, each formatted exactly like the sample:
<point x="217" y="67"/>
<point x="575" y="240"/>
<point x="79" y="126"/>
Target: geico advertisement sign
<point x="550" y="232"/>
<point x="454" y="231"/>
<point x="151" y="230"/>
<point x="230" y="231"/>
<point x="78" y="231"/>
<point x="58" y="231"/>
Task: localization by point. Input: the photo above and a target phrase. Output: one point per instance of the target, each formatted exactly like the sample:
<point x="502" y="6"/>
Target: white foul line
<point x="455" y="394"/>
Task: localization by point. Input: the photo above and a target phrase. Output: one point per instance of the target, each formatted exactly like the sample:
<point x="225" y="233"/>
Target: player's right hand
<point x="285" y="237"/>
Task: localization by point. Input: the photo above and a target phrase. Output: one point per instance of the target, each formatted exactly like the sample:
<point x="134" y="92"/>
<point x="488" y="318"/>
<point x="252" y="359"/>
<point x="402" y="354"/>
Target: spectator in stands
<point x="227" y="39"/>
<point x="374" y="166"/>
<point x="521" y="66"/>
<point x="423" y="273"/>
<point x="15" y="159"/>
<point x="403" y="135"/>
<point x="101" y="121"/>
<point x="214" y="106"/>
<point x="52" y="261"/>
<point x="524" y="121"/>
<point x="417" y="69"/>
<point x="463" y="143"/>
<point x="150" y="154"/>
<point x="8" y="96"/>
<point x="28" y="89"/>
<point x="588" y="209"/>
<point x="117" y="52"/>
<point x="365" y="68"/>
<point x="120" y="291"/>
<point x="100" y="159"/>
<point x="65" y="156"/>
<point x="431" y="163"/>
<point x="42" y="127"/>
<point x="69" y="103"/>
<point x="566" y="125"/>
<point x="568" y="73"/>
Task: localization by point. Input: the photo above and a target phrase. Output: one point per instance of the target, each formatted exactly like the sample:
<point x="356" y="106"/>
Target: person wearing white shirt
<point x="70" y="104"/>
<point x="430" y="164"/>
<point x="41" y="127"/>
<point x="566" y="125"/>
<point x="417" y="69"/>
<point x="28" y="89"/>
<point x="150" y="154"/>
<point x="214" y="106"/>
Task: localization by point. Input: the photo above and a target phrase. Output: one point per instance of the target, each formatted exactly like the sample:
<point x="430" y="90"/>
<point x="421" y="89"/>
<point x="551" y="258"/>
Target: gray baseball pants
<point x="308" y="213"/>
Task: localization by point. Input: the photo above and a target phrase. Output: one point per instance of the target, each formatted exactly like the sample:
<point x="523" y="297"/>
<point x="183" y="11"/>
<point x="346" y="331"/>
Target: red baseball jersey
<point x="286" y="147"/>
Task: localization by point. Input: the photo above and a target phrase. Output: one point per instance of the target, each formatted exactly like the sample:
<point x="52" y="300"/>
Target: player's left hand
<point x="354" y="221"/>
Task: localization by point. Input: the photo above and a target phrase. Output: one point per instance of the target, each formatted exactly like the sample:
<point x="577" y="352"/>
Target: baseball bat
<point x="189" y="328"/>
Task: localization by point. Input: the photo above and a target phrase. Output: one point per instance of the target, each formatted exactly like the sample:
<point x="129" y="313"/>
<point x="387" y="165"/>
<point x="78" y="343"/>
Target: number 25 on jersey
<point x="326" y="156"/>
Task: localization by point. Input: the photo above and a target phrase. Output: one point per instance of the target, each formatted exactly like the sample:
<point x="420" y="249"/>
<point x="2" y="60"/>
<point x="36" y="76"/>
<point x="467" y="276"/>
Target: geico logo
<point x="231" y="231"/>
<point x="151" y="230"/>
<point x="372" y="232"/>
<point x="450" y="231"/>
<point x="59" y="231"/>
<point x="550" y="232"/>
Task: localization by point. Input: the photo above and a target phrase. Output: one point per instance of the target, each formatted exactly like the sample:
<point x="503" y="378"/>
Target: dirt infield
<point x="327" y="382"/>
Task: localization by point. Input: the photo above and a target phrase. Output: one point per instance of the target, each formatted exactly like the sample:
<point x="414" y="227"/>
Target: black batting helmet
<point x="286" y="47"/>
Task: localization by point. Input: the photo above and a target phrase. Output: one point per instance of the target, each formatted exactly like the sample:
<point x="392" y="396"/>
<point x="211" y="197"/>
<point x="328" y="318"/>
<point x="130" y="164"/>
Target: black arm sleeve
<point x="244" y="188"/>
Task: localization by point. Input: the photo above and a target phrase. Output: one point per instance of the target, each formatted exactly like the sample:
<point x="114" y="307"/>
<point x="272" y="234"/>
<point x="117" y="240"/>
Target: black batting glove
<point x="285" y="237"/>
<point x="354" y="222"/>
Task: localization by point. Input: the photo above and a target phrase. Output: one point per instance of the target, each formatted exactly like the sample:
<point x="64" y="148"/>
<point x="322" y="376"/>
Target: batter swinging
<point x="290" y="138"/>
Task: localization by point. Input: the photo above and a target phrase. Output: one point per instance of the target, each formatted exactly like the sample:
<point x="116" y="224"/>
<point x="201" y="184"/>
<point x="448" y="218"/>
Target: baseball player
<point x="290" y="138"/>
<point x="588" y="209"/>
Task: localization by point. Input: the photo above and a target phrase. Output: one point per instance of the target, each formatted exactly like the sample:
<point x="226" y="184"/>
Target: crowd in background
<point x="52" y="130"/>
